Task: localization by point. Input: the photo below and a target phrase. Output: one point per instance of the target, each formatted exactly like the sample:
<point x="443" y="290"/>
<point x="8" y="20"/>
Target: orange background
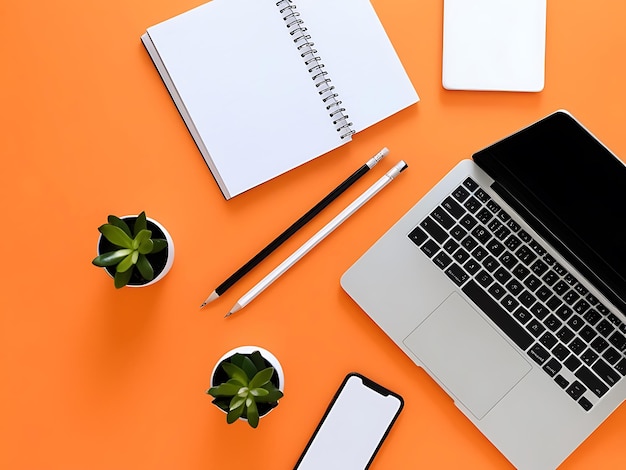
<point x="94" y="378"/>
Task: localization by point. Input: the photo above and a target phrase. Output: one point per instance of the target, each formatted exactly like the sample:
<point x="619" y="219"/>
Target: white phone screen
<point x="353" y="428"/>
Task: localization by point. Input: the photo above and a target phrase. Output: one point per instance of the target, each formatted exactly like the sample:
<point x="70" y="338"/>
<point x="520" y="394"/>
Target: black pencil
<point x="297" y="225"/>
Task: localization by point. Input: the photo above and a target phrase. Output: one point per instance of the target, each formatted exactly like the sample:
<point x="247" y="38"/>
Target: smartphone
<point x="353" y="427"/>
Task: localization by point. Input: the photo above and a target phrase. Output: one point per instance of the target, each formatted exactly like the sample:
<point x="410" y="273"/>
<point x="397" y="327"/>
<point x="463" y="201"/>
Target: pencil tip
<point x="214" y="295"/>
<point x="235" y="308"/>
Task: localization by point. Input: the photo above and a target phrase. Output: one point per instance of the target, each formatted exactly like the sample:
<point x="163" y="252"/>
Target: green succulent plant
<point x="131" y="249"/>
<point x="248" y="391"/>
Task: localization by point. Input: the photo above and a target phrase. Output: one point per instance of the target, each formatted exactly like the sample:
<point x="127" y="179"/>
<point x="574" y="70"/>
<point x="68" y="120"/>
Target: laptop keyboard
<point x="534" y="300"/>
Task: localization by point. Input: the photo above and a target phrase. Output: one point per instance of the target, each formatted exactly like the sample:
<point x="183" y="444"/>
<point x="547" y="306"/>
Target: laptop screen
<point x="572" y="190"/>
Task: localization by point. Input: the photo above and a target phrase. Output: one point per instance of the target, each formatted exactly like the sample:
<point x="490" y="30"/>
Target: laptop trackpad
<point x="467" y="355"/>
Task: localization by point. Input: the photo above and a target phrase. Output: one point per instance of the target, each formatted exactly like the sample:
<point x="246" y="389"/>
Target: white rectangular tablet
<point x="494" y="45"/>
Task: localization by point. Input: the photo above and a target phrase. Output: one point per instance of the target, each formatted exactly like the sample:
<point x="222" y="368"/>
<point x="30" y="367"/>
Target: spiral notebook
<point x="266" y="85"/>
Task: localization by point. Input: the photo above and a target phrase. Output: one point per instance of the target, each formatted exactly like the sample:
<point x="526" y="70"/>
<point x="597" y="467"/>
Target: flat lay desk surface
<point x="94" y="378"/>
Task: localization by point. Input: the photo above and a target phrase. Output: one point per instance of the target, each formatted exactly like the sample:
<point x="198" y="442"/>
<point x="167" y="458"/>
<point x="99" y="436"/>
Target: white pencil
<point x="318" y="237"/>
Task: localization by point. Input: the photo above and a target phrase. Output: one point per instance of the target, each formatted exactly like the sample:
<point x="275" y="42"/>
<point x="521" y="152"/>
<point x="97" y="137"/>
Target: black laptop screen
<point x="572" y="190"/>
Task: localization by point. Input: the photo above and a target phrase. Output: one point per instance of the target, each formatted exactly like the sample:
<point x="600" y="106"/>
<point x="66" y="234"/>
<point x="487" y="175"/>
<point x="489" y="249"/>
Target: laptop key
<point x="468" y="222"/>
<point x="532" y="282"/>
<point x="550" y="277"/>
<point x="552" y="367"/>
<point x="498" y="315"/>
<point x="442" y="260"/>
<point x="472" y="266"/>
<point x="430" y="248"/>
<point x="605" y="328"/>
<point x="576" y="323"/>
<point x="522" y="315"/>
<point x="589" y="356"/>
<point x="611" y="355"/>
<point x="458" y="233"/>
<point x="535" y="328"/>
<point x="453" y="207"/>
<point x="490" y="264"/>
<point x="606" y="372"/>
<point x="469" y="243"/>
<point x="460" y="194"/>
<point x="461" y="256"/>
<point x="513" y="242"/>
<point x="613" y="319"/>
<point x="484" y="278"/>
<point x="525" y="255"/>
<point x="540" y="311"/>
<point x="514" y="226"/>
<point x="444" y="219"/>
<point x="577" y="346"/>
<point x="571" y="297"/>
<point x="527" y="299"/>
<point x="592" y="316"/>
<point x="561" y="381"/>
<point x="539" y="354"/>
<point x="560" y="352"/>
<point x="457" y="274"/>
<point x="493" y="206"/>
<point x="591" y="381"/>
<point x="515" y="287"/>
<point x="472" y="204"/>
<point x="548" y="340"/>
<point x="564" y="312"/>
<point x="560" y="270"/>
<point x="470" y="184"/>
<point x="587" y="333"/>
<point x="599" y="344"/>
<point x="509" y="303"/>
<point x="484" y="215"/>
<point x="521" y="272"/>
<point x="586" y="404"/>
<point x="481" y="234"/>
<point x="434" y="230"/>
<point x="565" y="334"/>
<point x="554" y="302"/>
<point x="418" y="236"/>
<point x="482" y="195"/>
<point x="497" y="290"/>
<point x="539" y="267"/>
<point x="543" y="293"/>
<point x="618" y="340"/>
<point x="581" y="306"/>
<point x="553" y="323"/>
<point x="576" y="390"/>
<point x="508" y="260"/>
<point x="572" y="363"/>
<point x="450" y="246"/>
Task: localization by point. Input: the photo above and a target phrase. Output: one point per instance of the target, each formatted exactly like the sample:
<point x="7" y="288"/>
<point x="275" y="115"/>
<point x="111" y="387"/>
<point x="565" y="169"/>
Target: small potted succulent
<point x="246" y="384"/>
<point x="135" y="250"/>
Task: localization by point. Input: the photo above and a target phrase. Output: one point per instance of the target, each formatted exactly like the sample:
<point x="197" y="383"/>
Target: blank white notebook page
<point x="359" y="58"/>
<point x="248" y="91"/>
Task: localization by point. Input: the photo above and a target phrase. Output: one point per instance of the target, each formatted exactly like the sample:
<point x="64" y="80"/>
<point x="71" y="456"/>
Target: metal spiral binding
<point x="315" y="67"/>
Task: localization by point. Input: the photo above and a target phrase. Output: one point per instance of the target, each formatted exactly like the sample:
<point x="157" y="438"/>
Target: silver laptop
<point x="506" y="283"/>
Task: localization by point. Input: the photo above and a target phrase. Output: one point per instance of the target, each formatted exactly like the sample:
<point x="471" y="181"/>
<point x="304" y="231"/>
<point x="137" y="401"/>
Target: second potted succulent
<point x="247" y="383"/>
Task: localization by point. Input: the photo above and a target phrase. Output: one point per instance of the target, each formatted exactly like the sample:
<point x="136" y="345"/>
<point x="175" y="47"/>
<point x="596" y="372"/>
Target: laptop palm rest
<point x="475" y="363"/>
